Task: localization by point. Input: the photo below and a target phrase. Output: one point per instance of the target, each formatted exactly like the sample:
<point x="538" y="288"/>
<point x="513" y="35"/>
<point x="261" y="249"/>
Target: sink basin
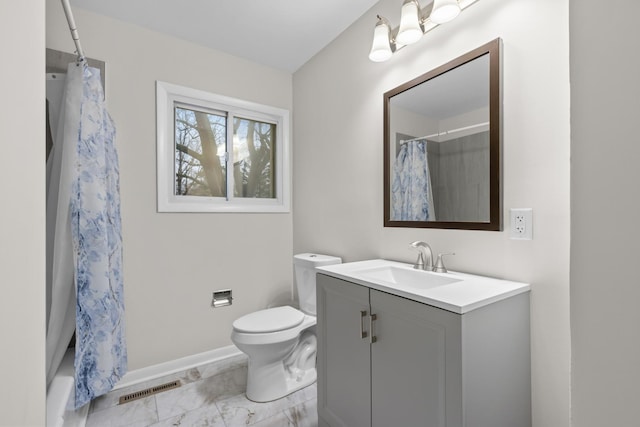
<point x="453" y="291"/>
<point x="408" y="277"/>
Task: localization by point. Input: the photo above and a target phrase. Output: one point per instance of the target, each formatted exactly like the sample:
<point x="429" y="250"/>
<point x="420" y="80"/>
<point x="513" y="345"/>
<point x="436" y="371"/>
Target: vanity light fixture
<point x="414" y="22"/>
<point x="381" y="48"/>
<point x="410" y="30"/>
<point x="444" y="11"/>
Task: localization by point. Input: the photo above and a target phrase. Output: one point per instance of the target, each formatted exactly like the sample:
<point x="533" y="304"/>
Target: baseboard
<point x="178" y="365"/>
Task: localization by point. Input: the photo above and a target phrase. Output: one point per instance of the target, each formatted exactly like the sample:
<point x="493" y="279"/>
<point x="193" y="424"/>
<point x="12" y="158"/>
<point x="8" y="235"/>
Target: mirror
<point x="442" y="146"/>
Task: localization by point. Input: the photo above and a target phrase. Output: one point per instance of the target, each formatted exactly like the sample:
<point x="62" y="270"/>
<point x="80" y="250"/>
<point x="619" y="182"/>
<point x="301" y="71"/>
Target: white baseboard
<point x="178" y="365"/>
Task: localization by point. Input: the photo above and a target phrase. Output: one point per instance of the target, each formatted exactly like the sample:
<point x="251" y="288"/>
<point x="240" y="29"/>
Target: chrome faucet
<point x="425" y="256"/>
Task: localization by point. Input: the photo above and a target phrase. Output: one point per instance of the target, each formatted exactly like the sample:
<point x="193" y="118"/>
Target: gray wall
<point x="459" y="169"/>
<point x="605" y="175"/>
<point x="174" y="261"/>
<point x="338" y="196"/>
<point x="22" y="216"/>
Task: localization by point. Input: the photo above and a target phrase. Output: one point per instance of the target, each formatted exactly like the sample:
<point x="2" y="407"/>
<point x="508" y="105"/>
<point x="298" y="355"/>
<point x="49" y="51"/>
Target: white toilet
<point x="280" y="342"/>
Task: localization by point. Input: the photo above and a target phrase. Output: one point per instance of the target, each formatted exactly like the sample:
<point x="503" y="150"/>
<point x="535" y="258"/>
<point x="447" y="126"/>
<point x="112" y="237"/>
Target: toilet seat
<point x="278" y="336"/>
<point x="269" y="320"/>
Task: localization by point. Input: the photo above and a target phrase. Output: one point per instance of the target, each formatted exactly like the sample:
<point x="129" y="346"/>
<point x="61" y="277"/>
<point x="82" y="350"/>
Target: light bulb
<point x="444" y="11"/>
<point x="409" y="31"/>
<point x="381" y="47"/>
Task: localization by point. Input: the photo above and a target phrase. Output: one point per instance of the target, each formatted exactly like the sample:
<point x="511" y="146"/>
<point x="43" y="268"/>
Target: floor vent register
<point x="148" y="392"/>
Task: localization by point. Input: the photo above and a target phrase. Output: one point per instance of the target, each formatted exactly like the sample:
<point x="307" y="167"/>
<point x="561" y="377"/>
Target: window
<point x="220" y="154"/>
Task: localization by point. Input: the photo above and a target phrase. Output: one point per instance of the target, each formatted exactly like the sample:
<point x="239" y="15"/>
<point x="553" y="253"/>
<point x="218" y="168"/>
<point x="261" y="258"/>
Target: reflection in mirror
<point x="442" y="146"/>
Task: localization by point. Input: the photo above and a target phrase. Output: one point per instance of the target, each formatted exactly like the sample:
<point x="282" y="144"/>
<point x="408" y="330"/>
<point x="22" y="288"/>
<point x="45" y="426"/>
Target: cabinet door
<point x="344" y="398"/>
<point x="415" y="364"/>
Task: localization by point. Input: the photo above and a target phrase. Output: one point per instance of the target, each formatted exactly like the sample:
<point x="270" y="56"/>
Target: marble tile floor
<point x="211" y="395"/>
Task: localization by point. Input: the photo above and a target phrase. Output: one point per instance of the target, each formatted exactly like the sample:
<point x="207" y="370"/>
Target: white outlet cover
<point x="521" y="224"/>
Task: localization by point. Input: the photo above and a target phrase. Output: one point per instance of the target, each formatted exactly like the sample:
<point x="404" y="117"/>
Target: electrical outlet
<point x="521" y="224"/>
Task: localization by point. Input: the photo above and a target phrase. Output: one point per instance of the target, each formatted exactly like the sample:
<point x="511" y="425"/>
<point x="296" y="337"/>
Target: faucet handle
<point x="439" y="267"/>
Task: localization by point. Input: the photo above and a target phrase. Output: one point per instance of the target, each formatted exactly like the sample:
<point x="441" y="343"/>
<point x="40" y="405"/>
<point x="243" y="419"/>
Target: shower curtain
<point x="84" y="243"/>
<point x="411" y="194"/>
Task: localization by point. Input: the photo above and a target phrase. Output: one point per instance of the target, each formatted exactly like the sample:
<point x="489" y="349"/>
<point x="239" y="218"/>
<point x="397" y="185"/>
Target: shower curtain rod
<point x="72" y="27"/>
<point x="446" y="132"/>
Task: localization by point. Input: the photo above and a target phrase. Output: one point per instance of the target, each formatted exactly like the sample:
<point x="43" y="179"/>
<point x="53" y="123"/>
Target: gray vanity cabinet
<point x="345" y="399"/>
<point x="413" y="365"/>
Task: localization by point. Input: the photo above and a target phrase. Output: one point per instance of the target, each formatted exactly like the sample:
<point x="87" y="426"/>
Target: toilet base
<point x="271" y="381"/>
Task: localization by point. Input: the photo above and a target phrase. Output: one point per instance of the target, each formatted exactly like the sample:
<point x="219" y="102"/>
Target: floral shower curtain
<point x="84" y="239"/>
<point x="411" y="194"/>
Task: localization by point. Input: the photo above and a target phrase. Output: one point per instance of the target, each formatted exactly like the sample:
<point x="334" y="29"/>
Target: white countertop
<point x="468" y="292"/>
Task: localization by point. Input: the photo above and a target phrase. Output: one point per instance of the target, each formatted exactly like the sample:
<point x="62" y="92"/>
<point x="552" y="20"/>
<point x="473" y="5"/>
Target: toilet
<point x="280" y="342"/>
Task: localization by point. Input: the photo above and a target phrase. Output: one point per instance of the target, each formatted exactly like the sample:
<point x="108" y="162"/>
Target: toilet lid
<point x="269" y="320"/>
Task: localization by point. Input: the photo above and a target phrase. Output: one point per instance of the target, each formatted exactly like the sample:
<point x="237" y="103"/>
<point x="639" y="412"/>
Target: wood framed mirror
<point x="443" y="146"/>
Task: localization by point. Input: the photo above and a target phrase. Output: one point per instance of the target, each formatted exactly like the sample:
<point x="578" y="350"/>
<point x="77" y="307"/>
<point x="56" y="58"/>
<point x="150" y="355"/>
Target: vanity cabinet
<point x="385" y="360"/>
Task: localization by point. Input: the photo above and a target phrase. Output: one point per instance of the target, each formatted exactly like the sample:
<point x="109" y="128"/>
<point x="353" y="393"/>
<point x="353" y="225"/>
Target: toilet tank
<point x="304" y="266"/>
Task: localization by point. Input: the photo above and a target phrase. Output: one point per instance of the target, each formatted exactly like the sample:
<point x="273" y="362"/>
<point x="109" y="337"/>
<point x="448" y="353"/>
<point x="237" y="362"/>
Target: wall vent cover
<point x="148" y="392"/>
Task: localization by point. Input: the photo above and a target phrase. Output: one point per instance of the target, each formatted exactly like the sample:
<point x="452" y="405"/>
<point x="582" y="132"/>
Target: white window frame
<point x="167" y="96"/>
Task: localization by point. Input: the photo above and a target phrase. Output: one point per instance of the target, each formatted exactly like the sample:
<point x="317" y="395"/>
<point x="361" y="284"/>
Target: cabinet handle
<point x="372" y="319"/>
<point x="363" y="333"/>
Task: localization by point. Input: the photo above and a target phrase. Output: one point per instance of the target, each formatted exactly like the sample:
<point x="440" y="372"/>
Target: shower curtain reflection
<point x="411" y="193"/>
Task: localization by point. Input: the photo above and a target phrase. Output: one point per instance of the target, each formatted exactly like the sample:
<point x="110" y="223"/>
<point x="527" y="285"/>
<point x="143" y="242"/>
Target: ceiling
<point x="458" y="91"/>
<point x="282" y="34"/>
